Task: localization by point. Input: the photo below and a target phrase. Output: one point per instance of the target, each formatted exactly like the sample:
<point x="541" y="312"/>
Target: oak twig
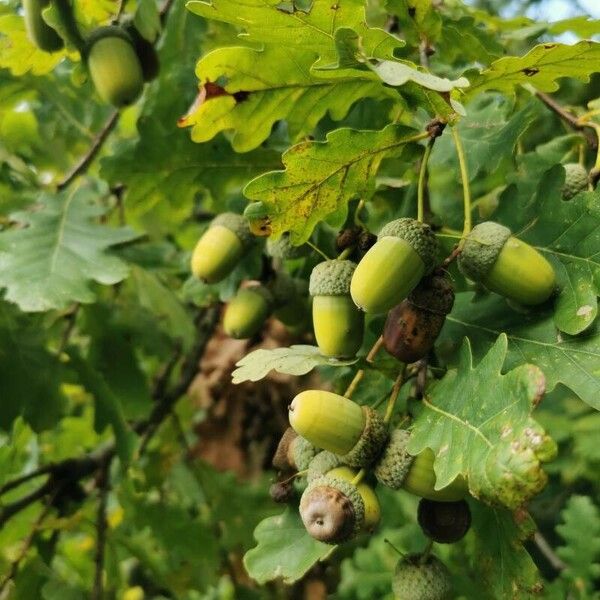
<point x="103" y="484"/>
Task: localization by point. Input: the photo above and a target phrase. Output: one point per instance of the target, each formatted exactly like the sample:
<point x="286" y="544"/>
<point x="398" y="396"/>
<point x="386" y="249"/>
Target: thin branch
<point x="86" y="160"/>
<point x="567" y="117"/>
<point x="545" y="548"/>
<point x="103" y="484"/>
<point x="44" y="470"/>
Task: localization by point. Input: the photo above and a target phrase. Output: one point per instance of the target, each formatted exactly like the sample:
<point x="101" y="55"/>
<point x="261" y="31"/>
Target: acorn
<point x="221" y="247"/>
<point x="283" y="249"/>
<point x="114" y="66"/>
<point x="416" y="578"/>
<point x="293" y="452"/>
<point x="338" y="325"/>
<point x="40" y="34"/>
<point x="322" y="463"/>
<point x="334" y="423"/>
<point x="367" y="493"/>
<point x="332" y="510"/>
<point x="444" y="522"/>
<point x="576" y="180"/>
<point x="246" y="313"/>
<point x="282" y="492"/>
<point x="396" y="469"/>
<point x="405" y="251"/>
<point x="146" y="53"/>
<point x="412" y="327"/>
<point x="506" y="265"/>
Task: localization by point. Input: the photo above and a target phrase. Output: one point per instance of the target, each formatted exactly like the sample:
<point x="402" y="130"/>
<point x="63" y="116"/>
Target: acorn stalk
<point x="405" y="251"/>
<point x="220" y="248"/>
<point x="338" y="325"/>
<point x="114" y="66"/>
<point x="247" y="312"/>
<point x="506" y="265"/>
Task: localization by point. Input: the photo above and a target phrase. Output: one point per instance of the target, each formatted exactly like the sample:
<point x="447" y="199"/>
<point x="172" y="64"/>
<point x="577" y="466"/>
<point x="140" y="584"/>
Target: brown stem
<point x="86" y="160"/>
<point x="545" y="548"/>
<point x="103" y="483"/>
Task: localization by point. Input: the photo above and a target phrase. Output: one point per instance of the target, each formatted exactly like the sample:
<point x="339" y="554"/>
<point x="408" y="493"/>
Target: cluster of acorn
<point x="118" y="58"/>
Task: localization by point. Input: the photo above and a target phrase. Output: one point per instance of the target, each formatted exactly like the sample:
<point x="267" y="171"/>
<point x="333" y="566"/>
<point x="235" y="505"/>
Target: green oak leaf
<point x="322" y="177"/>
<point x="541" y="67"/>
<point x="295" y="360"/>
<point x="264" y="21"/>
<point x="50" y="261"/>
<point x="571" y="360"/>
<point x="251" y="101"/>
<point x="580" y="530"/>
<point x="478" y="422"/>
<point x="284" y="550"/>
<point x="500" y="559"/>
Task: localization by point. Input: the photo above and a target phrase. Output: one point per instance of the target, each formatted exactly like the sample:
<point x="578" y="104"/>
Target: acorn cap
<point x="481" y="249"/>
<point x="283" y="288"/>
<point x="419" y="235"/>
<point x="283" y="249"/>
<point x="371" y="442"/>
<point x="417" y="580"/>
<point x="303" y="453"/>
<point x="235" y="223"/>
<point x="322" y="463"/>
<point x="434" y="293"/>
<point x="281" y="458"/>
<point x="576" y="180"/>
<point x="332" y="510"/>
<point x="106" y="32"/>
<point x="332" y="278"/>
<point x="444" y="522"/>
<point x="393" y="466"/>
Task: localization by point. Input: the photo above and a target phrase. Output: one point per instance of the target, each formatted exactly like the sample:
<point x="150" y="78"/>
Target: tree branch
<point x="103" y="484"/>
<point x="545" y="548"/>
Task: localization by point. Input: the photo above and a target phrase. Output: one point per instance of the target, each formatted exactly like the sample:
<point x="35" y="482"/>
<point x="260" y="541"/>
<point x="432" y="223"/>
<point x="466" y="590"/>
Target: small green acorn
<point x="40" y="34"/>
<point x="246" y="313"/>
<point x="506" y="265"/>
<point x="367" y="493"/>
<point x="114" y="66"/>
<point x="338" y="325"/>
<point x="444" y="522"/>
<point x="332" y="510"/>
<point x="396" y="468"/>
<point x="405" y="251"/>
<point x="416" y="578"/>
<point x="334" y="423"/>
<point x="221" y="247"/>
<point x="576" y="180"/>
<point x="412" y="327"/>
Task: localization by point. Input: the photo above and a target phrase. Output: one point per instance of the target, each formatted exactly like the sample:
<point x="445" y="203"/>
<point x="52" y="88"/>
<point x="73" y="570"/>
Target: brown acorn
<point x="444" y="522"/>
<point x="413" y="325"/>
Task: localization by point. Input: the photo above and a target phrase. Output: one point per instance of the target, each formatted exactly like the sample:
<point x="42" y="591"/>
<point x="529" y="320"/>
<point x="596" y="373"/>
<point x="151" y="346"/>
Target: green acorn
<point x="221" y="247"/>
<point x="334" y="423"/>
<point x="40" y="34"/>
<point x="506" y="265"/>
<point x="418" y="579"/>
<point x="338" y="325"/>
<point x="576" y="180"/>
<point x="367" y="493"/>
<point x="114" y="66"/>
<point x="405" y="251"/>
<point x="283" y="249"/>
<point x="332" y="510"/>
<point x="444" y="522"/>
<point x="396" y="468"/>
<point x="322" y="463"/>
<point x="246" y="313"/>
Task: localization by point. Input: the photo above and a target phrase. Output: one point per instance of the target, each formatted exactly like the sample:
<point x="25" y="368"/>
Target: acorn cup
<point x="416" y="578"/>
<point x="283" y="249"/>
<point x="247" y="312"/>
<point x="576" y="180"/>
<point x="338" y="325"/>
<point x="332" y="510"/>
<point x="444" y="522"/>
<point x="334" y="423"/>
<point x="221" y="247"/>
<point x="405" y="251"/>
<point x="412" y="327"/>
<point x="114" y="66"/>
<point x="396" y="469"/>
<point x="40" y="34"/>
<point x="506" y="265"/>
